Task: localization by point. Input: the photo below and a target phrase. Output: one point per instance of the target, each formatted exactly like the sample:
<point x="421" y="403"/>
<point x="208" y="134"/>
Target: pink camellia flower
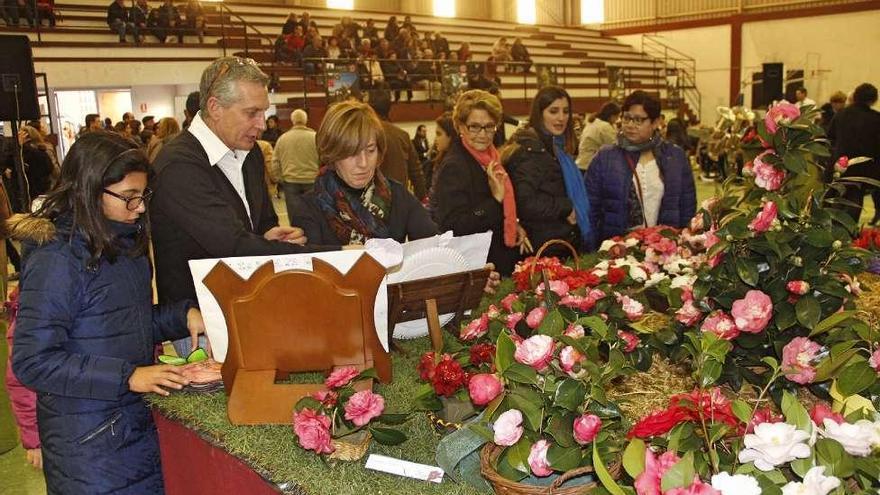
<point x="325" y="397"/>
<point x="820" y="412"/>
<point x="569" y="357"/>
<point x="536" y="316"/>
<point x="841" y="164"/>
<point x="875" y="360"/>
<point x="538" y="459"/>
<point x="586" y="428"/>
<point x="782" y="112"/>
<point x="582" y="303"/>
<point x="630" y="340"/>
<point x="508" y="429"/>
<point x="648" y="483"/>
<point x="596" y="294"/>
<point x="632" y="308"/>
<point x="341" y="377"/>
<point x="476" y="328"/>
<point x="764" y="219"/>
<point x="696" y="224"/>
<point x="797" y="360"/>
<point x="766" y="175"/>
<point x="493" y="312"/>
<point x="363" y="406"/>
<point x="313" y="431"/>
<point x="721" y="324"/>
<point x="536" y="351"/>
<point x="689" y="314"/>
<point x="507" y="302"/>
<point x="559" y="287"/>
<point x="574" y="331"/>
<point x="797" y="287"/>
<point x="753" y="312"/>
<point x="483" y="388"/>
<point x="698" y="487"/>
<point x="513" y="319"/>
<point x="711" y="240"/>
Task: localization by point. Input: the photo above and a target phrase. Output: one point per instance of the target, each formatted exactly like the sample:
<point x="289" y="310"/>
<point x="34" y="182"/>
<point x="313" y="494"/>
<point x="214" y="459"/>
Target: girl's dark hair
<point x="545" y="97"/>
<point x="446" y="123"/>
<point x="648" y="102"/>
<point x="607" y="111"/>
<point x="96" y="160"/>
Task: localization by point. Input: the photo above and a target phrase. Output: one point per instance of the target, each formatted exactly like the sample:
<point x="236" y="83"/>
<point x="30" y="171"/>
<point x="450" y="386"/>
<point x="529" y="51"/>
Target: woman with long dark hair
<point x="444" y="133"/>
<point x="86" y="326"/>
<point x="551" y="199"/>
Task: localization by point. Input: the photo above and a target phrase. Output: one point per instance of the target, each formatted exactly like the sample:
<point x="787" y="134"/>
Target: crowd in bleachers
<point x="399" y="58"/>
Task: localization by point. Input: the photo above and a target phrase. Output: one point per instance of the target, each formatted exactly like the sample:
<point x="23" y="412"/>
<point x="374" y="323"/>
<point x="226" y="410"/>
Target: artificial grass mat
<point x="273" y="452"/>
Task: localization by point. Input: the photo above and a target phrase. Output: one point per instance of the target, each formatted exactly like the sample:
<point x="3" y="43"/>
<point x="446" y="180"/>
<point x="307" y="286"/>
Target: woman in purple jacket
<point x="642" y="180"/>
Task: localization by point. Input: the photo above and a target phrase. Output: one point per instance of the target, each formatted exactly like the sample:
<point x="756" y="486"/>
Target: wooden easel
<point x="429" y="298"/>
<point x="294" y="321"/>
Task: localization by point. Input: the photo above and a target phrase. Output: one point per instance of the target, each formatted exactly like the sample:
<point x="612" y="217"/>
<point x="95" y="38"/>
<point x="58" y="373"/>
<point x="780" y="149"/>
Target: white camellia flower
<point x="602" y="265"/>
<point x="738" y="484"/>
<point x="857" y="438"/>
<point x="638" y="273"/>
<point x="683" y="281"/>
<point x="773" y="444"/>
<point x="631" y="242"/>
<point x="655" y="279"/>
<point x="606" y="245"/>
<point x="815" y="483"/>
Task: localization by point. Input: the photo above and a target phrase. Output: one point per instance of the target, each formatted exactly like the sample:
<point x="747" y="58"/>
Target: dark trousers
<point x="291" y="191"/>
<point x="162" y="33"/>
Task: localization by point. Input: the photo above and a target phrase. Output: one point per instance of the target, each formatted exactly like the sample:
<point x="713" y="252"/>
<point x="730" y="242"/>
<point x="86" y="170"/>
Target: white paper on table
<point x="474" y="248"/>
<point x="400" y="467"/>
<point x="245" y="266"/>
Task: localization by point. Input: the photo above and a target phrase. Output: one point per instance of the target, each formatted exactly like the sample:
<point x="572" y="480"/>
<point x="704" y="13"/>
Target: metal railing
<point x="247" y="26"/>
<point x="677" y="70"/>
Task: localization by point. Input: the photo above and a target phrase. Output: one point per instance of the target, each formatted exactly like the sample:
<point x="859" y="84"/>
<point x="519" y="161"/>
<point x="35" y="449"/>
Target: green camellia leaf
<point x="518" y="455"/>
<point x="741" y="410"/>
<point x="855" y="377"/>
<point x="604" y="476"/>
<point x="521" y="373"/>
<point x="785" y="315"/>
<point x="829" y="366"/>
<point x="564" y="458"/>
<point x="818" y="237"/>
<point x="529" y="406"/>
<point x="596" y="324"/>
<point x="388" y="436"/>
<point x="570" y="394"/>
<point x="680" y="475"/>
<point x="832" y="321"/>
<point x="794" y="162"/>
<point x="747" y="271"/>
<point x="710" y="372"/>
<point x="561" y="428"/>
<point x="634" y="457"/>
<point x="794" y="412"/>
<point x="837" y="462"/>
<point x="801" y="466"/>
<point x="553" y="324"/>
<point x="504" y="350"/>
<point x="808" y="311"/>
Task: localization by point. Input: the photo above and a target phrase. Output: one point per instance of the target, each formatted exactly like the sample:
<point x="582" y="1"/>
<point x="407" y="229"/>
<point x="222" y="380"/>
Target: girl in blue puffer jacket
<point x="87" y="326"/>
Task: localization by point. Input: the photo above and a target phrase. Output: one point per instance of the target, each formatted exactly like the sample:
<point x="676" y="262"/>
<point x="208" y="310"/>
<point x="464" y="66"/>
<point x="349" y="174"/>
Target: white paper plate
<point x="431" y="262"/>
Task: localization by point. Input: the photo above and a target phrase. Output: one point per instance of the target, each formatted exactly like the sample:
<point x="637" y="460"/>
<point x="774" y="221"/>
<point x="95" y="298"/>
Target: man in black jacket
<point x="210" y="199"/>
<point x="120" y="22"/>
<point x="854" y="132"/>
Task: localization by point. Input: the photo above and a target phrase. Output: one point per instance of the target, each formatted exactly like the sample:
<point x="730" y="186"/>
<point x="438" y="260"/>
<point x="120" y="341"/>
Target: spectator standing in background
<point x="801" y="98"/>
<point x="272" y="131"/>
<point x="400" y="161"/>
<point x="295" y="161"/>
<point x="420" y="143"/>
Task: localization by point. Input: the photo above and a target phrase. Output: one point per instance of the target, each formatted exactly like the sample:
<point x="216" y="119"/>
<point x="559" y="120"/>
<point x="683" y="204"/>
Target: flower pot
<point x="503" y="486"/>
<point x="351" y="447"/>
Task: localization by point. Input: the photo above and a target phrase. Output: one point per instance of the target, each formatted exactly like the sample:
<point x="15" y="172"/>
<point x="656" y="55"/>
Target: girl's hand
<point x="35" y="458"/>
<point x="196" y="326"/>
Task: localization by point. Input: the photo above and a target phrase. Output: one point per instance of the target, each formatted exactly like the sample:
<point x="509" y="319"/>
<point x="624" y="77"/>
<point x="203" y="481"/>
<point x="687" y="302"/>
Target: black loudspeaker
<point x="18" y="89"/>
<point x="772" y="83"/>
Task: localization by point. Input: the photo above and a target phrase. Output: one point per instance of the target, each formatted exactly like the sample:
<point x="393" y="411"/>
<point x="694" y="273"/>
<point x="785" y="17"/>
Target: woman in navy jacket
<point x="642" y="180"/>
<point x="87" y="326"/>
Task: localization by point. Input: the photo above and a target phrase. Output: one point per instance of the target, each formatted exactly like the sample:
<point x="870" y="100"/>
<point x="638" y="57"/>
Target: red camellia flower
<point x="426" y="367"/>
<point x="449" y="377"/>
<point x="482" y="353"/>
<point x="582" y="278"/>
<point x="659" y="422"/>
<point x="615" y="275"/>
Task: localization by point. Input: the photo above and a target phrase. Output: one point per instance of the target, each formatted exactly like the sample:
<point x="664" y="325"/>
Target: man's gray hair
<point x="299" y="117"/>
<point x="219" y="79"/>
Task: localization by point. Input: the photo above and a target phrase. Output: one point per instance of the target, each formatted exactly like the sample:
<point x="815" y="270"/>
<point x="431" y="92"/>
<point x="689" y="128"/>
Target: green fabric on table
<point x="273" y="450"/>
<point x="8" y="429"/>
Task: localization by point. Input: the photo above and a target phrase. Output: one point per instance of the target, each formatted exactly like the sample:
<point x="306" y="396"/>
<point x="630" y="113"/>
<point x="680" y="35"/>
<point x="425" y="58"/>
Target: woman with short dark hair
<point x="642" y="180"/>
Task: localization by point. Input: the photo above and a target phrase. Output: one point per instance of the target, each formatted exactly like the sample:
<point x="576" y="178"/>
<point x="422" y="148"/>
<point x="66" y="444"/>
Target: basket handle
<point x="553" y="242"/>
<point x="574" y="473"/>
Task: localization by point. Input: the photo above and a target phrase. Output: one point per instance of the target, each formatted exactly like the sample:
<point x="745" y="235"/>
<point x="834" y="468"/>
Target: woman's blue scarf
<point x="575" y="189"/>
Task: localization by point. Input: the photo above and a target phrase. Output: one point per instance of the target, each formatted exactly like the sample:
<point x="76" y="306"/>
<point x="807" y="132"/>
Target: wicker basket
<point x="552" y="242"/>
<point x="351" y="447"/>
<point x="503" y="486"/>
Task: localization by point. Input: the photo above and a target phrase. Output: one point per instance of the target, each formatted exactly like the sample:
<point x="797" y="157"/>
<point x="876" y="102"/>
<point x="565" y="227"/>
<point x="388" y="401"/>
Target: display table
<point x="202" y="453"/>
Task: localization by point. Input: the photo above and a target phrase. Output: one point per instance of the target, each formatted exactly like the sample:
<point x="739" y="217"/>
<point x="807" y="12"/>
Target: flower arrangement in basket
<point x="340" y="421"/>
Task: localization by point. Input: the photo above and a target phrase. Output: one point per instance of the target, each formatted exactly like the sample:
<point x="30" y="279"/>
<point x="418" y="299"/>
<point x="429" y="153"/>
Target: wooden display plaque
<point x="430" y="297"/>
<point x="294" y="321"/>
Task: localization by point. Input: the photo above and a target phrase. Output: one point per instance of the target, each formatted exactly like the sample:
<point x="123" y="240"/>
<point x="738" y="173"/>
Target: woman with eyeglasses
<point x="86" y="326"/>
<point x="473" y="192"/>
<point x="550" y="196"/>
<point x="642" y="180"/>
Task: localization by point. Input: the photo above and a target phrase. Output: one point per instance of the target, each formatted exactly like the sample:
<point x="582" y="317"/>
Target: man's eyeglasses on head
<point x="224" y="68"/>
<point x="132" y="203"/>
<point x="634" y="119"/>
<point x="476" y="128"/>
